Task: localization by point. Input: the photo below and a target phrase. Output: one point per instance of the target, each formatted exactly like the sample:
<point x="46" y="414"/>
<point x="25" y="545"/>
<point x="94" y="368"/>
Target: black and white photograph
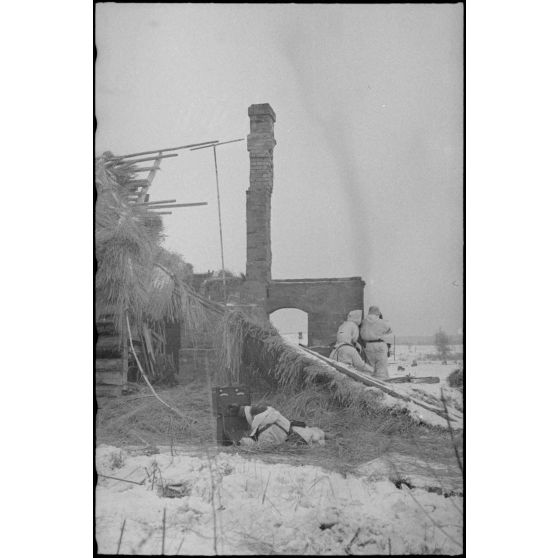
<point x="249" y="251"/>
<point x="279" y="358"/>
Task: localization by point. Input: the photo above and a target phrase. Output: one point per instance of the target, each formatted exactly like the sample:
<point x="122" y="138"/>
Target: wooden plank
<point x="106" y="328"/>
<point x="108" y="353"/>
<point x="109" y="341"/>
<point x="133" y="161"/>
<point x="108" y="365"/>
<point x="156" y="202"/>
<point x="117" y="157"/>
<point x="109" y="378"/>
<point x="136" y="183"/>
<point x="106" y="310"/>
<point x="124" y="372"/>
<point x="216" y="144"/>
<point x="374" y="382"/>
<point x="171" y="206"/>
<point x="108" y="391"/>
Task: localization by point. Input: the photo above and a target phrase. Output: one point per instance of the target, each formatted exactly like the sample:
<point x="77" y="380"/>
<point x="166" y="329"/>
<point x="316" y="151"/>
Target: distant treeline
<point x="426" y="340"/>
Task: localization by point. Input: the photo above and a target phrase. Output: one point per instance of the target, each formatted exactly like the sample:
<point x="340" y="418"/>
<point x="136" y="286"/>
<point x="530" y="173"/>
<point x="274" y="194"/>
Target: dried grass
<point x="122" y="421"/>
<point x="353" y="437"/>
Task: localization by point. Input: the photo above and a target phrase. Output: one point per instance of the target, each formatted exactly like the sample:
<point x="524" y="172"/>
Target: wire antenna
<point x="219" y="207"/>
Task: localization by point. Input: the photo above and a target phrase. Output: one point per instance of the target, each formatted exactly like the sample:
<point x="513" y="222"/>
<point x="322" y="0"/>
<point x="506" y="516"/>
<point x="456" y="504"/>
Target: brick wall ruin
<point x="326" y="301"/>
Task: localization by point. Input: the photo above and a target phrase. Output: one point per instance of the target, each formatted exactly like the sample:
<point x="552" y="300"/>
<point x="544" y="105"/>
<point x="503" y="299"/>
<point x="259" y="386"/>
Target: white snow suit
<point x="372" y="330"/>
<point x="348" y="330"/>
<point x="272" y="428"/>
<point x="347" y="354"/>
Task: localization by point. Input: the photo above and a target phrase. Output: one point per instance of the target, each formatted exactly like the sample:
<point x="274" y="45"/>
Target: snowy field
<point x="405" y="354"/>
<point x="228" y="504"/>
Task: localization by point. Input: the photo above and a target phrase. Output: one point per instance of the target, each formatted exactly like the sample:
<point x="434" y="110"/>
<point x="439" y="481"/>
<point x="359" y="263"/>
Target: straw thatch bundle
<point x="135" y="276"/>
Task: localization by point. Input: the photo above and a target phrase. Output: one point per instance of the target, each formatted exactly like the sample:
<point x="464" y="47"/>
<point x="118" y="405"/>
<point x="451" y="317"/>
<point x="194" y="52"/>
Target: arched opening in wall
<point x="292" y="324"/>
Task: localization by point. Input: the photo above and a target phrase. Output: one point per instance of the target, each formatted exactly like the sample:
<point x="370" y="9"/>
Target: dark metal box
<point x="230" y="428"/>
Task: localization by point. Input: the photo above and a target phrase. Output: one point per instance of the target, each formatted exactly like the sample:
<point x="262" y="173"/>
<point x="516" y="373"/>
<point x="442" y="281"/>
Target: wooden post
<point x="220" y="228"/>
<point x="125" y="361"/>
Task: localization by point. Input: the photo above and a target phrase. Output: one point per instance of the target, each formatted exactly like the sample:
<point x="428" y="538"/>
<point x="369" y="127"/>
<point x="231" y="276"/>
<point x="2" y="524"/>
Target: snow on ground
<point x="262" y="508"/>
<point x="415" y="472"/>
<point x="422" y="352"/>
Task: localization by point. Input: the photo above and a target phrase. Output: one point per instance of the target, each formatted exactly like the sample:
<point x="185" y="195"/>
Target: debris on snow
<point x="261" y="508"/>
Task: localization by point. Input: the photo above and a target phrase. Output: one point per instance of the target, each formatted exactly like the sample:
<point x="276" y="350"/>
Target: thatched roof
<point x="137" y="277"/>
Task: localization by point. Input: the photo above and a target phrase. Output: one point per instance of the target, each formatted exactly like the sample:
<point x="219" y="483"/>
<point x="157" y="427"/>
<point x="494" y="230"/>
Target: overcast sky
<point x="368" y="162"/>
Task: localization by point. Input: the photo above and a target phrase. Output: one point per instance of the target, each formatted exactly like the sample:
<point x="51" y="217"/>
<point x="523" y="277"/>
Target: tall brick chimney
<point x="260" y="143"/>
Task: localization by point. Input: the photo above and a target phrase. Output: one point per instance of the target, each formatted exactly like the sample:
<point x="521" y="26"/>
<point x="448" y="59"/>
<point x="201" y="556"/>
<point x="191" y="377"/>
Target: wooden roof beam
<point x="174" y="205"/>
<point x="117" y="157"/>
<point x="119" y="162"/>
